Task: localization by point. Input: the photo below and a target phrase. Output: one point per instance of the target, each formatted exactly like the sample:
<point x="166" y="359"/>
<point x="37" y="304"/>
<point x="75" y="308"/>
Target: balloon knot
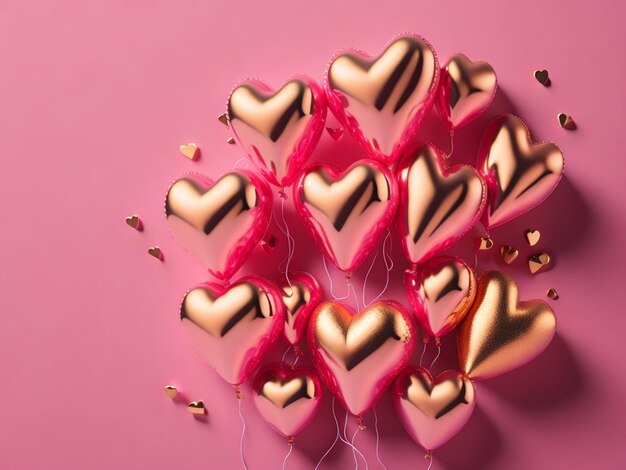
<point x="238" y="394"/>
<point x="426" y="339"/>
<point x="297" y="351"/>
<point x="359" y="423"/>
<point x="290" y="441"/>
<point x="348" y="278"/>
<point x="428" y="455"/>
<point x="437" y="341"/>
<point x="282" y="194"/>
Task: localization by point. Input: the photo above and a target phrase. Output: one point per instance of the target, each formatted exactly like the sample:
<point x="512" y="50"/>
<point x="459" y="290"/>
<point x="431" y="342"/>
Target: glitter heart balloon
<point x="466" y="89"/>
<point x="287" y="398"/>
<point x="382" y="100"/>
<point x="519" y="174"/>
<point x="359" y="354"/>
<point x="500" y="333"/>
<point x="346" y="212"/>
<point x="433" y="410"/>
<point x="232" y="328"/>
<point x="300" y="299"/>
<point x="438" y="205"/>
<point x="278" y="129"/>
<point x="441" y="291"/>
<point x="221" y="222"/>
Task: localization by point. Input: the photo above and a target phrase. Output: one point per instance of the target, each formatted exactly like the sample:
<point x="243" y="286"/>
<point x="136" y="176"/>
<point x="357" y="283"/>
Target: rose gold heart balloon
<point x="346" y="212"/>
<point x="519" y="174"/>
<point x="438" y="205"/>
<point x="500" y="333"/>
<point x="433" y="410"/>
<point x="300" y="299"/>
<point x="287" y="398"/>
<point x="441" y="291"/>
<point x="466" y="89"/>
<point x="232" y="328"/>
<point x="278" y="129"/>
<point x="382" y="100"/>
<point x="219" y="223"/>
<point x="358" y="355"/>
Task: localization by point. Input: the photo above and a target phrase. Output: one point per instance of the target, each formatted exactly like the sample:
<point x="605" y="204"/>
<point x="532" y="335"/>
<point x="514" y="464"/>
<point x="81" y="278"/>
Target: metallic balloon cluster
<point x="381" y="101"/>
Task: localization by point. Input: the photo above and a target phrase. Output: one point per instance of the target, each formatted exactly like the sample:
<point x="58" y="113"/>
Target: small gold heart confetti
<point x="189" y="150"/>
<point x="566" y="121"/>
<point x="170" y="391"/>
<point x="135" y="222"/>
<point x="532" y="236"/>
<point x="508" y="253"/>
<point x="335" y="133"/>
<point x="543" y="77"/>
<point x="538" y="261"/>
<point x="230" y="141"/>
<point x="156" y="252"/>
<point x="196" y="407"/>
<point x="553" y="294"/>
<point x="223" y="118"/>
<point x="486" y="243"/>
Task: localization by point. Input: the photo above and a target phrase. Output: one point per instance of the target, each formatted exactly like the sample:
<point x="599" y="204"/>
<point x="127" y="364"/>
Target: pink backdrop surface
<point x="95" y="99"/>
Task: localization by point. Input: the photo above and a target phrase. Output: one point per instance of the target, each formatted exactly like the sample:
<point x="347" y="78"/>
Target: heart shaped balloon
<point x="278" y="129"/>
<point x="433" y="410"/>
<point x="221" y="222"/>
<point x="441" y="291"/>
<point x="359" y="354"/>
<point x="382" y="100"/>
<point x="347" y="212"/>
<point x="438" y="205"/>
<point x="287" y="398"/>
<point x="519" y="174"/>
<point x="500" y="333"/>
<point x="300" y="299"/>
<point x="233" y="327"/>
<point x="466" y="89"/>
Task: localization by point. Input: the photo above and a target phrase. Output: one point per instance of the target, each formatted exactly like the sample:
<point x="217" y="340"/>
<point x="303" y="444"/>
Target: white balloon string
<point x="287" y="456"/>
<point x="378" y="440"/>
<point x="423" y="352"/>
<point x="451" y="145"/>
<point x="430" y="464"/>
<point x="296" y="361"/>
<point x="388" y="267"/>
<point x="243" y="432"/>
<point x="330" y="280"/>
<point x="348" y="443"/>
<point x="436" y="357"/>
<point x="285" y="353"/>
<point x="357" y="450"/>
<point x="336" y="437"/>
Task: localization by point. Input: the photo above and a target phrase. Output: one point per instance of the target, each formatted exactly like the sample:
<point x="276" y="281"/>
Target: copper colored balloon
<point x="466" y="89"/>
<point x="438" y="205"/>
<point x="359" y="354"/>
<point x="287" y="398"/>
<point x="219" y="223"/>
<point x="519" y="174"/>
<point x="382" y="100"/>
<point x="300" y="300"/>
<point x="346" y="213"/>
<point x="433" y="410"/>
<point x="232" y="328"/>
<point x="501" y="333"/>
<point x="441" y="291"/>
<point x="278" y="129"/>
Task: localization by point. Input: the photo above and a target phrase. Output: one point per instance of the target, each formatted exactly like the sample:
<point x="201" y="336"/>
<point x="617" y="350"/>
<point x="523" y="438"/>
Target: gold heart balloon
<point x="219" y="223"/>
<point x="500" y="333"/>
<point x="433" y="410"/>
<point x="438" y="205"/>
<point x="359" y="354"/>
<point x="231" y="328"/>
<point x="346" y="212"/>
<point x="381" y="100"/>
<point x="467" y="88"/>
<point x="278" y="129"/>
<point x="519" y="174"/>
<point x="301" y="295"/>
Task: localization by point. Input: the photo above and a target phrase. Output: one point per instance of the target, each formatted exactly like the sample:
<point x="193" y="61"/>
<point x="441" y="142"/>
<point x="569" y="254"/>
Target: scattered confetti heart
<point x="170" y="391"/>
<point x="196" y="407"/>
<point x="538" y="261"/>
<point x="532" y="236"/>
<point x="543" y="77"/>
<point x="189" y="150"/>
<point x="566" y="121"/>
<point x="553" y="294"/>
<point x="135" y="222"/>
<point x="335" y="133"/>
<point x="486" y="243"/>
<point x="156" y="252"/>
<point x="223" y="118"/>
<point x="508" y="253"/>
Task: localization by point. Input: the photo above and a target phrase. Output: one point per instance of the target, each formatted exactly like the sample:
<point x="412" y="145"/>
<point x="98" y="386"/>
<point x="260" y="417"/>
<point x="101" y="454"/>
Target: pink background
<point x="95" y="99"/>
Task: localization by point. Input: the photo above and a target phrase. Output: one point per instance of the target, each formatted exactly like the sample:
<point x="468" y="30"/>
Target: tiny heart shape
<point x="501" y="333"/>
<point x="532" y="236"/>
<point x="509" y="254"/>
<point x="189" y="150"/>
<point x="155" y="252"/>
<point x="566" y="121"/>
<point x="543" y="77"/>
<point x="170" y="391"/>
<point x="538" y="262"/>
<point x="335" y="133"/>
<point x="485" y="243"/>
<point x="219" y="223"/>
<point x="437" y="205"/>
<point x="287" y="398"/>
<point x="433" y="410"/>
<point x="553" y="294"/>
<point x="347" y="212"/>
<point x="518" y="173"/>
<point x="232" y="328"/>
<point x="300" y="295"/>
<point x="382" y="100"/>
<point x="196" y="407"/>
<point x="359" y="354"/>
<point x="135" y="222"/>
<point x="278" y="129"/>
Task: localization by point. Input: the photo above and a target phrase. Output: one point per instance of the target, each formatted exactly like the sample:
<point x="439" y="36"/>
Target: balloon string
<point x="451" y="144"/>
<point x="291" y="243"/>
<point x="285" y="354"/>
<point x="423" y="352"/>
<point x="378" y="440"/>
<point x="436" y="357"/>
<point x="296" y="361"/>
<point x="243" y="432"/>
<point x="330" y="280"/>
<point x="336" y="437"/>
<point x="288" y="454"/>
<point x="430" y="458"/>
<point x="357" y="450"/>
<point x="388" y="267"/>
<point x="347" y="442"/>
